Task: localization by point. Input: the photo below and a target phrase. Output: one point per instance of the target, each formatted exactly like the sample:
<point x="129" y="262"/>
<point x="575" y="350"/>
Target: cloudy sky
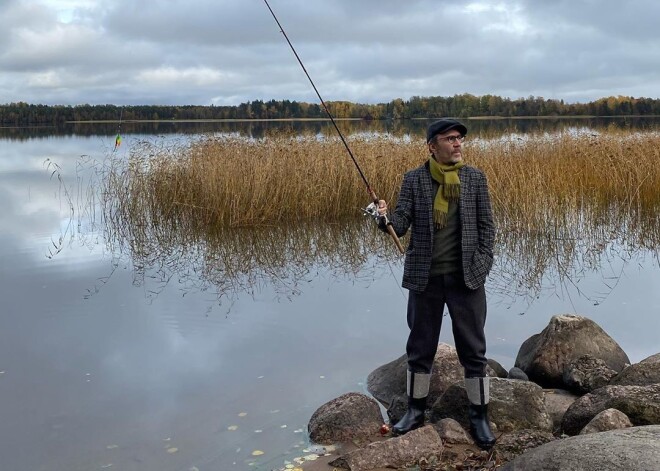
<point x="230" y="51"/>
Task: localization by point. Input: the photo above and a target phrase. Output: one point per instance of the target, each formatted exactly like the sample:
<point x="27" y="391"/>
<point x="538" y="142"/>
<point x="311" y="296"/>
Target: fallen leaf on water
<point x="232" y="427"/>
<point x="172" y="450"/>
<point x="257" y="453"/>
<point x="242" y="414"/>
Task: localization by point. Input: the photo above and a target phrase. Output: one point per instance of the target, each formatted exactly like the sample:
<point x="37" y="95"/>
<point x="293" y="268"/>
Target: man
<point x="447" y="205"/>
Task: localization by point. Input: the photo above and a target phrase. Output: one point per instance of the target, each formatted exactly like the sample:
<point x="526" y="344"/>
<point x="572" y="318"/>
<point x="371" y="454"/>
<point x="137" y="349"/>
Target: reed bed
<point x="537" y="184"/>
<point x="272" y="208"/>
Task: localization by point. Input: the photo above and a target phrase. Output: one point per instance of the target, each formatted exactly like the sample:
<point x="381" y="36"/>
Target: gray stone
<point x="517" y="373"/>
<point x="514" y="405"/>
<point x="452" y="432"/>
<point x="544" y="356"/>
<point x="636" y="448"/>
<point x="586" y="373"/>
<point x="389" y="381"/>
<point x="512" y="444"/>
<point x="609" y="419"/>
<point x="499" y="370"/>
<point x="640" y="403"/>
<point x="643" y="373"/>
<point x="419" y="446"/>
<point x="351" y="417"/>
<point x="557" y="402"/>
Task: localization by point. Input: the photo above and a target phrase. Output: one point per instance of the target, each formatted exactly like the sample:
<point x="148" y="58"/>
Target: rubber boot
<point x="478" y="397"/>
<point x="418" y="390"/>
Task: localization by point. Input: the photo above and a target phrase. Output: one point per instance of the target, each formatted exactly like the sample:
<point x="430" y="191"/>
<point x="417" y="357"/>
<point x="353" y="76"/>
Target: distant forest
<point x="463" y="106"/>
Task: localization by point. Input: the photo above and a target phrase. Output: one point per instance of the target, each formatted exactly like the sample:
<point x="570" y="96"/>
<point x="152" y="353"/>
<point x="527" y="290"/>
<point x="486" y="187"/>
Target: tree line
<point x="463" y="106"/>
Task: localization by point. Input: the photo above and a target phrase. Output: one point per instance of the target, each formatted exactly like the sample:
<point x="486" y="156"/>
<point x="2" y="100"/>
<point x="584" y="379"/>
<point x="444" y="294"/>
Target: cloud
<point x="230" y="51"/>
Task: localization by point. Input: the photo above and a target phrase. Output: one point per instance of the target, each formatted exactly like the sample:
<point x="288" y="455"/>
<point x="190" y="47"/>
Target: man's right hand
<point x="382" y="208"/>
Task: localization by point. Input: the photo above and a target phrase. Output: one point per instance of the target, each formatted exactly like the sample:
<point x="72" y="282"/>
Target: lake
<point x="110" y="363"/>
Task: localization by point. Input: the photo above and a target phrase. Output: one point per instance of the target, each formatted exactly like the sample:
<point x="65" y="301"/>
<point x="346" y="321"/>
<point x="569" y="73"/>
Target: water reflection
<point x="285" y="258"/>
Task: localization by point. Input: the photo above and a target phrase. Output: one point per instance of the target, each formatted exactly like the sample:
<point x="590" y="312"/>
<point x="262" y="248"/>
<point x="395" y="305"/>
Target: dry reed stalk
<point x="538" y="185"/>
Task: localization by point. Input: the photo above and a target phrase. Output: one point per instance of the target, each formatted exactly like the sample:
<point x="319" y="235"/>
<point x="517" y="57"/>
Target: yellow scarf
<point x="450" y="189"/>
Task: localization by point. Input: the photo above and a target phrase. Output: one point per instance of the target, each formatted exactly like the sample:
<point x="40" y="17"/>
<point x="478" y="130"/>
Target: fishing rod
<point x="371" y="209"/>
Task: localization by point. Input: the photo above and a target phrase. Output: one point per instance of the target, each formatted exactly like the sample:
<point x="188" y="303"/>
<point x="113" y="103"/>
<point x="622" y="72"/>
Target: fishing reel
<point x="372" y="211"/>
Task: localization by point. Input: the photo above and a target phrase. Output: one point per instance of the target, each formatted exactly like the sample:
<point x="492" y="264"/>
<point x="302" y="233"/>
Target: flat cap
<point x="443" y="125"/>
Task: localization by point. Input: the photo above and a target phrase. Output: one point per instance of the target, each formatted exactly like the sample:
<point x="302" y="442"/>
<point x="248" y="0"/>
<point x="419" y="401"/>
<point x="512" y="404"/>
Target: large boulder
<point x="643" y="373"/>
<point x="514" y="405"/>
<point x="640" y="403"/>
<point x="351" y="417"/>
<point x="586" y="373"/>
<point x="418" y="446"/>
<point x="609" y="419"/>
<point x="388" y="381"/>
<point x="544" y="356"/>
<point x="635" y="448"/>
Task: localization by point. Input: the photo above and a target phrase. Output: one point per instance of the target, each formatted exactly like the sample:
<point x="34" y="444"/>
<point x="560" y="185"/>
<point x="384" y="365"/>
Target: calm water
<point x="100" y="370"/>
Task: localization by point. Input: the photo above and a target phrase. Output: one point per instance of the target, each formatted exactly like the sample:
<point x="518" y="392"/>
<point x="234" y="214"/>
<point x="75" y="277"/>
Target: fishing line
<point x="372" y="194"/>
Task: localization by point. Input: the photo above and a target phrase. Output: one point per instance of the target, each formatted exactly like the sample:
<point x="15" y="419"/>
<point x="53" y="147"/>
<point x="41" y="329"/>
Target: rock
<point x="514" y="405"/>
<point x="450" y="431"/>
<point x="389" y="380"/>
<point x="544" y="356"/>
<point x="609" y="419"/>
<point x="517" y="373"/>
<point x="586" y="373"/>
<point x="350" y="417"/>
<point x="499" y="370"/>
<point x="419" y="446"/>
<point x="513" y="444"/>
<point x="557" y="401"/>
<point x="640" y="403"/>
<point x="643" y="373"/>
<point x="636" y="448"/>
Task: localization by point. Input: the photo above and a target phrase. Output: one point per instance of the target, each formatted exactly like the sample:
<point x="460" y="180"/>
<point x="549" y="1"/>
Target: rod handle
<point x="390" y="229"/>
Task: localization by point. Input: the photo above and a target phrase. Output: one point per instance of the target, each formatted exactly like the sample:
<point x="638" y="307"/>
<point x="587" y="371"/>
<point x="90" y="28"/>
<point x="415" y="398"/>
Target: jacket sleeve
<point x="485" y="223"/>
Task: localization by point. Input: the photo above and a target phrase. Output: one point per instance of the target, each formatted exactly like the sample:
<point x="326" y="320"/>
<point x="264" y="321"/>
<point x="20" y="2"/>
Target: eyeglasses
<point x="451" y="139"/>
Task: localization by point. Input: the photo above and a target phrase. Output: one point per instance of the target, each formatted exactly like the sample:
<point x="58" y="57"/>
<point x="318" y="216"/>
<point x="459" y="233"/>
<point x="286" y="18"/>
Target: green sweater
<point x="447" y="255"/>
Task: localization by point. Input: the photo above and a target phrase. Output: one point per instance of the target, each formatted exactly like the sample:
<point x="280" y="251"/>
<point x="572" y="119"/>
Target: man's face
<point x="444" y="150"/>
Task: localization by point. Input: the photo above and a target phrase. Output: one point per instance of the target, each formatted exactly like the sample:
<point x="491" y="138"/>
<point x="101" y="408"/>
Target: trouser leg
<point x="424" y="320"/>
<point x="467" y="309"/>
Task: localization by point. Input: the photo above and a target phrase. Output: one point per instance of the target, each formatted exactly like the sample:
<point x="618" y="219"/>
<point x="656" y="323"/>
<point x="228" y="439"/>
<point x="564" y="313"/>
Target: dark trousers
<point x="467" y="309"/>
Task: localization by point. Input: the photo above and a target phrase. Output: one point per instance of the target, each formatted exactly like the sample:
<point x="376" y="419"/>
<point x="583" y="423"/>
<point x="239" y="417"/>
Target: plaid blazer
<point x="415" y="208"/>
